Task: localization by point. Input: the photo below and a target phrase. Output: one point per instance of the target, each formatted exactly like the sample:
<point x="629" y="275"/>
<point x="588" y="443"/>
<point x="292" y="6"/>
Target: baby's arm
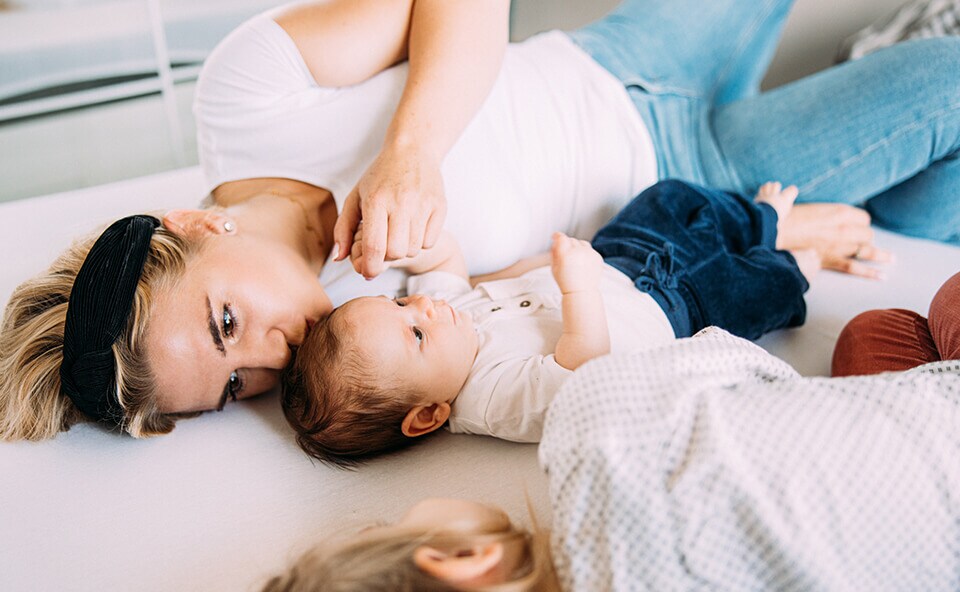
<point x="517" y="269"/>
<point x="577" y="268"/>
<point x="445" y="255"/>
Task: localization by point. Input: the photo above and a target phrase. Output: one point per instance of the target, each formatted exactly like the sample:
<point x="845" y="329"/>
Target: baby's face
<point x="415" y="341"/>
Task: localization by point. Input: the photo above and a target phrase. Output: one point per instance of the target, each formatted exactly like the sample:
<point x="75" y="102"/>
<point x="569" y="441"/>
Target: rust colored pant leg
<point x="945" y="319"/>
<point x="883" y="341"/>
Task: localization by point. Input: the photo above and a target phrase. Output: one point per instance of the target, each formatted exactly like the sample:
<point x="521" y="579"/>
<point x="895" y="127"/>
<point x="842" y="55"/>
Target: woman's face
<point x="224" y="330"/>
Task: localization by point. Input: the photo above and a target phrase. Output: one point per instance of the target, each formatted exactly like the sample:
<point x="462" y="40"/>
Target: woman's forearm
<point x="455" y="53"/>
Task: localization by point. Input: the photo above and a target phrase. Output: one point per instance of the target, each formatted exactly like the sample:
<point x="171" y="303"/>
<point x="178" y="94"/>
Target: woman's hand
<point x="840" y="234"/>
<point x="401" y="202"/>
<point x="454" y="50"/>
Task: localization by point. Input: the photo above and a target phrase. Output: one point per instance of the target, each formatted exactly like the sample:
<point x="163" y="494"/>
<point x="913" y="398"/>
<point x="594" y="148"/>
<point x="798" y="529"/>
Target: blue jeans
<point x="883" y="131"/>
<point x="707" y="257"/>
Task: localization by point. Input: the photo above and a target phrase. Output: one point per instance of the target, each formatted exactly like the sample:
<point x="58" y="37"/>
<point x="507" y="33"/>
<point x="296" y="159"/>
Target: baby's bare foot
<point x="780" y="198"/>
<point x="808" y="261"/>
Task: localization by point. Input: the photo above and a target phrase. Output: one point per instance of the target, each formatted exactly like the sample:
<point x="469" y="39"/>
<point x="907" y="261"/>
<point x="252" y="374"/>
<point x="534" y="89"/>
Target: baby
<point x="487" y="355"/>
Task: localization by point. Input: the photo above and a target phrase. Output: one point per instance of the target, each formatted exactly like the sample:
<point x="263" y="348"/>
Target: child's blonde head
<point x="382" y="560"/>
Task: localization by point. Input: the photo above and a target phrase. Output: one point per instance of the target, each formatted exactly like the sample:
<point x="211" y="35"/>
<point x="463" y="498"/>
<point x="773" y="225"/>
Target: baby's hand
<point x="576" y="266"/>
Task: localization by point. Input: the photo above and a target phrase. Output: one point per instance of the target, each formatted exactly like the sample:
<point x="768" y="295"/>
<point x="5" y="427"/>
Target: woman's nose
<point x="271" y="351"/>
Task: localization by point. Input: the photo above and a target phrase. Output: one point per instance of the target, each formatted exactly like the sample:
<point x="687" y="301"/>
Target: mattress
<point x="228" y="499"/>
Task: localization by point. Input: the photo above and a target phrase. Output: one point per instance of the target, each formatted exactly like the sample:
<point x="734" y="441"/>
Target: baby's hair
<point x="342" y="410"/>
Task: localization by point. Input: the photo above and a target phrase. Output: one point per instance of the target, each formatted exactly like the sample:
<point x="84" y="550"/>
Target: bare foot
<point x="773" y="193"/>
<point x="808" y="261"/>
<point x="840" y="235"/>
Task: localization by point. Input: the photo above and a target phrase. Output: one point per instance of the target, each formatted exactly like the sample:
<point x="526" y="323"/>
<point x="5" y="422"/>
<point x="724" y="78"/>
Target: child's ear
<point x="424" y="419"/>
<point x="460" y="566"/>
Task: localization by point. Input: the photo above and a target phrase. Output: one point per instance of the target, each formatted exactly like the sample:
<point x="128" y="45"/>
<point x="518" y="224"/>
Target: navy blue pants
<point x="707" y="257"/>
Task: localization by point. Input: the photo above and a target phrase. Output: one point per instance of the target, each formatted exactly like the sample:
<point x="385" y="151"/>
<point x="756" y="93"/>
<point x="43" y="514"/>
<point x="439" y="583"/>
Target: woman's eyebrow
<point x="215" y="330"/>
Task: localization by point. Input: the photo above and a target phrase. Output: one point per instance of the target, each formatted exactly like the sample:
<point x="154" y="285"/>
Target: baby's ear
<point x="424" y="419"/>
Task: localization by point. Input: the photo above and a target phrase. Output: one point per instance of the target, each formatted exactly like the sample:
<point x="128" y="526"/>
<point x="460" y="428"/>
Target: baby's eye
<point x="399" y="302"/>
<point x="418" y="334"/>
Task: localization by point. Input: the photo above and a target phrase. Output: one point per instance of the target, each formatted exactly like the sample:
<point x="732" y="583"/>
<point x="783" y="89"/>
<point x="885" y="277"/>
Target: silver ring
<point x="856" y="254"/>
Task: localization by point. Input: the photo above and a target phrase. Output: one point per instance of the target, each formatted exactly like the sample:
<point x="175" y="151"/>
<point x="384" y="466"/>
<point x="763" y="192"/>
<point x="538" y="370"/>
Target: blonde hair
<point x="31" y="342"/>
<point x="383" y="562"/>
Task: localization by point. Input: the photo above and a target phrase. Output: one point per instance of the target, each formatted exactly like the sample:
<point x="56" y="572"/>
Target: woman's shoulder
<point x="256" y="57"/>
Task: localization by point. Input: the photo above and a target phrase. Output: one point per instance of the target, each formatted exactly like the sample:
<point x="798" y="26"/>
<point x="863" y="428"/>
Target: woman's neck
<point x="294" y="213"/>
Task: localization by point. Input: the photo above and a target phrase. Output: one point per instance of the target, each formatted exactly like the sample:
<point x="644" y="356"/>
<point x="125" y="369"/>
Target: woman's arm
<point x="344" y="42"/>
<point x="455" y="50"/>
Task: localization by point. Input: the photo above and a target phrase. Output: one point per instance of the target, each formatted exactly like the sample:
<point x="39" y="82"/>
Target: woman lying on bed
<point x="706" y="464"/>
<point x="413" y="116"/>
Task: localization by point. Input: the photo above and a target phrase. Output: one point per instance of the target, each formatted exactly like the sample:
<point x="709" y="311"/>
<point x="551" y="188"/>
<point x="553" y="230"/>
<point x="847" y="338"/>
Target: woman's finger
<point x="853" y="267"/>
<point x="347" y="224"/>
<point x="374" y="241"/>
<point x="434" y="227"/>
<point x="868" y="252"/>
<point x="418" y="226"/>
<point x="398" y="235"/>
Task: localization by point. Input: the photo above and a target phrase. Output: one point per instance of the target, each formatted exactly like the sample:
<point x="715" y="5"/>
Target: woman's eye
<point x="229" y="323"/>
<point x="232" y="390"/>
<point x="418" y="334"/>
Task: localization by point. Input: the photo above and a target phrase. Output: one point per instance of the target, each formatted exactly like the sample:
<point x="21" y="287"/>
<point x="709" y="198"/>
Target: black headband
<point x="100" y="303"/>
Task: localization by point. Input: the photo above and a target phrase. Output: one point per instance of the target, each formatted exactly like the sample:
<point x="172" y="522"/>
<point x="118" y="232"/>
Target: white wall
<point x="810" y="40"/>
<point x="95" y="145"/>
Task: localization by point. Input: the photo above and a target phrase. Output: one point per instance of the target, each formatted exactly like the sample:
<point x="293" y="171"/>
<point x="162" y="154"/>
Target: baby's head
<point x="376" y="374"/>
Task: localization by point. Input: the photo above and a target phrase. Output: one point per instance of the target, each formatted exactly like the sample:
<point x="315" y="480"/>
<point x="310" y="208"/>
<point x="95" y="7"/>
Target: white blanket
<point x="227" y="499"/>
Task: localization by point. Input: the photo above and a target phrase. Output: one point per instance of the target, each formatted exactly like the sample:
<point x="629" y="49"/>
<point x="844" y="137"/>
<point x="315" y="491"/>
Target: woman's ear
<point x="198" y="223"/>
<point x="424" y="419"/>
<point x="461" y="565"/>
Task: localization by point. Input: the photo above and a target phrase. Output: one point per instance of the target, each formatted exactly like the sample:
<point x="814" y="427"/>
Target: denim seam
<point x="727" y="167"/>
<point x="827" y="175"/>
<point x="744" y="41"/>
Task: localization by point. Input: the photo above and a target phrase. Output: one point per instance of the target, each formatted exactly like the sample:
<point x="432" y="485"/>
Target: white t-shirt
<point x="557" y="144"/>
<point x="519" y="322"/>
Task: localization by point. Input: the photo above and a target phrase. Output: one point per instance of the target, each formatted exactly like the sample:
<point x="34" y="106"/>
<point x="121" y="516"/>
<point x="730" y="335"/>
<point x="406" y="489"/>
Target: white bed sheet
<point x="227" y="499"/>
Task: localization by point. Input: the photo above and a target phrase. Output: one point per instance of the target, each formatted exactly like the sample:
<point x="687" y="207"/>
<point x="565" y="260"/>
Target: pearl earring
<point x="229" y="226"/>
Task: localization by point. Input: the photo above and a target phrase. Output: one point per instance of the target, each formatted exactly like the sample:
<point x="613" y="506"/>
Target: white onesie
<point x="519" y="322"/>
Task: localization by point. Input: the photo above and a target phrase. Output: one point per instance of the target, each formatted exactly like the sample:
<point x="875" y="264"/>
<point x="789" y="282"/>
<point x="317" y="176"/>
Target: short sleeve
<point x="509" y="399"/>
